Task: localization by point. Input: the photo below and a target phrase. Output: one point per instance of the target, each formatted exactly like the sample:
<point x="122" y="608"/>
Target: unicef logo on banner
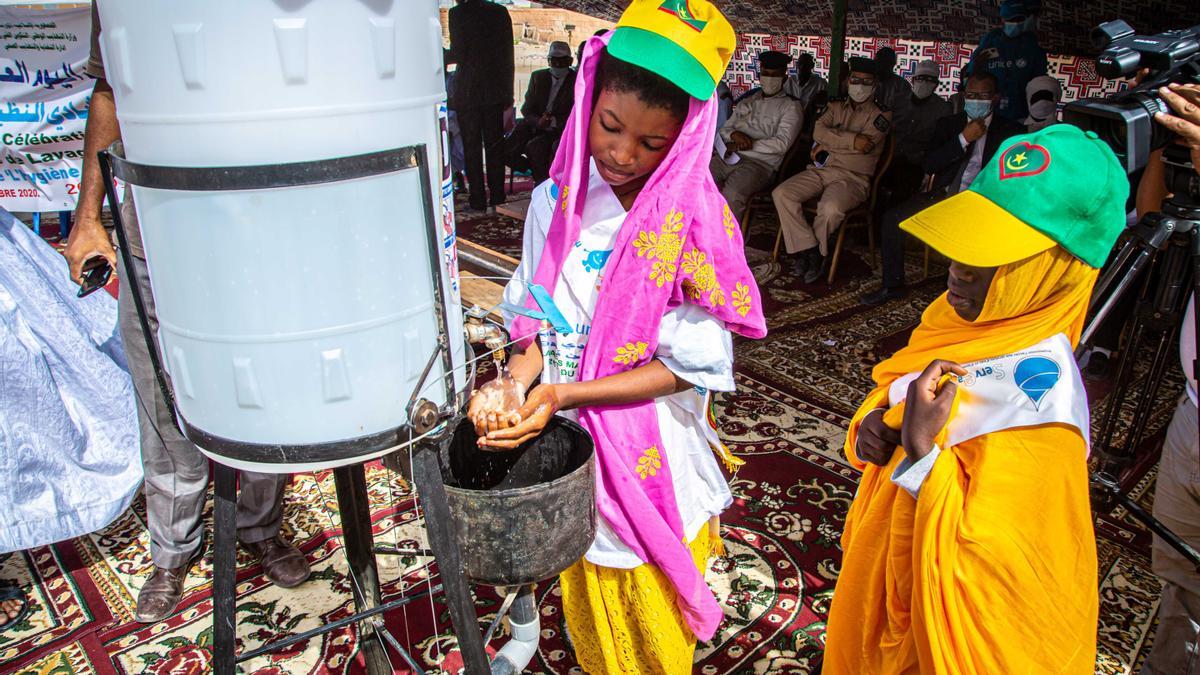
<point x="1036" y="376"/>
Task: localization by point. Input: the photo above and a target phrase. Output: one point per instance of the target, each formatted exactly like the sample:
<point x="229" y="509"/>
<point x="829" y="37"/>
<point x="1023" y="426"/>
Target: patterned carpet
<point x="796" y="391"/>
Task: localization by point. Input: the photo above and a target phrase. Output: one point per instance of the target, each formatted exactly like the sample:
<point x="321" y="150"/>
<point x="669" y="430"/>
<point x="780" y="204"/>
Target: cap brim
<point x="973" y="230"/>
<point x="663" y="57"/>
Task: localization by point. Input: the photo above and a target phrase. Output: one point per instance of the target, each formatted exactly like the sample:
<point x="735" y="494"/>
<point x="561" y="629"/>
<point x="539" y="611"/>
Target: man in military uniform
<point x="757" y="135"/>
<point x="848" y="140"/>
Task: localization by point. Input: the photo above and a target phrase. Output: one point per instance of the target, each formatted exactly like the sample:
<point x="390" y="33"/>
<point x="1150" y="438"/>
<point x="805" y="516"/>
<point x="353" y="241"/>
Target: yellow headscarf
<point x="1029" y="300"/>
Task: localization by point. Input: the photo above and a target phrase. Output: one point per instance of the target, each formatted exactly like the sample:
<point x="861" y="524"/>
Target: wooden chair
<point x="793" y="163"/>
<point x="861" y="215"/>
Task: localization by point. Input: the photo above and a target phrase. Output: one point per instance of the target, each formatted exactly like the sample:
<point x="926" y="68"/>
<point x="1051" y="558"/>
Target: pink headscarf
<point x="679" y="243"/>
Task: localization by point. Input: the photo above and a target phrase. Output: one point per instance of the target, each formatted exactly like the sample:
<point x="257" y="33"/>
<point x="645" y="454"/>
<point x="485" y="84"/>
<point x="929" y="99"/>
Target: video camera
<point x="1125" y="121"/>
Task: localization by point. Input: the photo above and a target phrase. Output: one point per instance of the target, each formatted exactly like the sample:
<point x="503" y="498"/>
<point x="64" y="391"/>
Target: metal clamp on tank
<point x="226" y="351"/>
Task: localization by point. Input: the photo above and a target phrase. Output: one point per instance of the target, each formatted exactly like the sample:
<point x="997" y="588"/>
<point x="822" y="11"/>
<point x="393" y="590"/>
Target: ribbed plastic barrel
<point x="292" y="317"/>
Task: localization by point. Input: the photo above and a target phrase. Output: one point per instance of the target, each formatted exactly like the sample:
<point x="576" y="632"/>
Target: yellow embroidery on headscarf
<point x="562" y="197"/>
<point x="704" y="277"/>
<point x="662" y="247"/>
<point x="741" y="299"/>
<point x="649" y="463"/>
<point x="631" y="352"/>
<point x="727" y="215"/>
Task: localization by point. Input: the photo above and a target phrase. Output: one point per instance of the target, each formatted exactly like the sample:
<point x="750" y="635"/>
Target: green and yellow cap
<point x="688" y="42"/>
<point x="1058" y="186"/>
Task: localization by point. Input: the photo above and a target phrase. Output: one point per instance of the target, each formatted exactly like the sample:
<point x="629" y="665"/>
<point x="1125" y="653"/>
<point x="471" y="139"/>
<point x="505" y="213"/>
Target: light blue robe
<point x="69" y="443"/>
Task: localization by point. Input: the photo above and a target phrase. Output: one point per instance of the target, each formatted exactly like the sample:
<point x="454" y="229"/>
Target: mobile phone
<point x="821" y="157"/>
<point x="96" y="273"/>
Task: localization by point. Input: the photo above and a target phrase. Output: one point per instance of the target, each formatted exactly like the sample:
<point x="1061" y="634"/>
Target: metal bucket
<point x="524" y="515"/>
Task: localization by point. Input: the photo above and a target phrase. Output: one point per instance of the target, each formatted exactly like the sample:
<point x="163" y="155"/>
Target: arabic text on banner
<point x="44" y="97"/>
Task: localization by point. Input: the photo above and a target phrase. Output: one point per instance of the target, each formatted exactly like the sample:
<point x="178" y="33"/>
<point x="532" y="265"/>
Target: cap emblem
<point x="680" y="10"/>
<point x="1023" y="159"/>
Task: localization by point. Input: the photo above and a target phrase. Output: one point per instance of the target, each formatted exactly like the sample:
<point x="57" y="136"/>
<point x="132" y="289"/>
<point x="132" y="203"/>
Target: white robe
<point x="692" y="344"/>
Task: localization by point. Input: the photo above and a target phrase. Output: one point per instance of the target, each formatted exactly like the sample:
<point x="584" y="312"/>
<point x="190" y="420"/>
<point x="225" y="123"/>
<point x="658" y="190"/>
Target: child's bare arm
<point x="526" y="366"/>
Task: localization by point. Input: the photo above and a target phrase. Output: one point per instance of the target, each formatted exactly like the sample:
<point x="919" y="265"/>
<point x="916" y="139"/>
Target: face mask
<point x="977" y="110"/>
<point x="771" y="85"/>
<point x="922" y="90"/>
<point x="861" y="92"/>
<point x="559" y="72"/>
<point x="1042" y="110"/>
<point x="1013" y="28"/>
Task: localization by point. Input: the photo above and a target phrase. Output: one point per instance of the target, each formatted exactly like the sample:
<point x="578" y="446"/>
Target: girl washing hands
<point x="644" y="259"/>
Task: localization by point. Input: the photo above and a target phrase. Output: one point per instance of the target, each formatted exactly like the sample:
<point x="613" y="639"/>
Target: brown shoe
<point x="161" y="592"/>
<point x="282" y="563"/>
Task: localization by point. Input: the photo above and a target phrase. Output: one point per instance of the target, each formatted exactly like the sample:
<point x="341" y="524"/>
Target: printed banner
<point x="44" y="97"/>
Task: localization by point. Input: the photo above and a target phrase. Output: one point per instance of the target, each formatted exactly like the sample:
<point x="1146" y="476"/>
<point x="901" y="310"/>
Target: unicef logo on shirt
<point x="1036" y="376"/>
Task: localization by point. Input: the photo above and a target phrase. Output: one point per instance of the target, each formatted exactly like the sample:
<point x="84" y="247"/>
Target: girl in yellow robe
<point x="969" y="547"/>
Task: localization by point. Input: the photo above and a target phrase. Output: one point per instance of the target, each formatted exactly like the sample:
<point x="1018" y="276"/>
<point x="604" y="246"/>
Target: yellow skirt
<point x="626" y="620"/>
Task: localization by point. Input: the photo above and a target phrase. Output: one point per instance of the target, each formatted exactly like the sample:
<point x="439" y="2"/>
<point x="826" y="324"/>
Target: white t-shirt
<point x="692" y="344"/>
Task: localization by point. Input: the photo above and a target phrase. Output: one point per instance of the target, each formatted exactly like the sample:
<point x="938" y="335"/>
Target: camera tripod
<point x="1164" y="255"/>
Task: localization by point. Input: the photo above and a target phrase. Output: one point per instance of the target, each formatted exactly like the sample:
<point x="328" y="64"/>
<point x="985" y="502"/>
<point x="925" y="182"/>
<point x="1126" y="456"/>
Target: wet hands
<point x="540" y="406"/>
<point x="495" y="405"/>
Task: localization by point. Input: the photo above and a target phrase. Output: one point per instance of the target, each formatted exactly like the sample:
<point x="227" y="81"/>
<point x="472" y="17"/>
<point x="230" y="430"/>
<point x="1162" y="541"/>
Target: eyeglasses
<point x="862" y="80"/>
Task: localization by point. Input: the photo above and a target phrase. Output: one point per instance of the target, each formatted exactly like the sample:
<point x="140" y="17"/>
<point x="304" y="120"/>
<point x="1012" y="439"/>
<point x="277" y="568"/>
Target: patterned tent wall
<point x="943" y="30"/>
<point x="1064" y="25"/>
<point x="1076" y="73"/>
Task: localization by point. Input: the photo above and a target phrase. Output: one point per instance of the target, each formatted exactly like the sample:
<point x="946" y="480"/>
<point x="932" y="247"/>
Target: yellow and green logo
<point x="680" y="10"/>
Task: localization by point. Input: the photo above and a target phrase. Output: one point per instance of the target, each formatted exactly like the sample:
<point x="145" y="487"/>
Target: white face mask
<point x="771" y="85"/>
<point x="1042" y="110"/>
<point x="557" y="71"/>
<point x="860" y="93"/>
<point x="923" y="89"/>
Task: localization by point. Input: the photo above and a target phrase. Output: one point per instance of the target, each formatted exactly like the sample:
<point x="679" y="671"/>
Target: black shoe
<point x="799" y="265"/>
<point x="882" y="295"/>
<point x="816" y="267"/>
<point x="803" y="260"/>
<point x="1097" y="367"/>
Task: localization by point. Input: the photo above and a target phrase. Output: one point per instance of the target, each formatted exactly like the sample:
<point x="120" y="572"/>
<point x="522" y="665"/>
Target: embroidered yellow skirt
<point x="626" y="620"/>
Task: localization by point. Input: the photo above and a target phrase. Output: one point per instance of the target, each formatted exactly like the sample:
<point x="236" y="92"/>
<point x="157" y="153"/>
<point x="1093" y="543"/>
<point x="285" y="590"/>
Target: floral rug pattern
<point x="796" y="391"/>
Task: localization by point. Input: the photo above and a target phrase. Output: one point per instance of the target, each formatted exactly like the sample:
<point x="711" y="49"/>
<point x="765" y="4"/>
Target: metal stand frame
<point x="1169" y="243"/>
<point x="350" y="481"/>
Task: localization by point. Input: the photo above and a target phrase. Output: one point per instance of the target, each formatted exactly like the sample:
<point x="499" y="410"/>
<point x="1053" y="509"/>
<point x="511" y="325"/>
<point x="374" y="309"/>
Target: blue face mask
<point x="977" y="109"/>
<point x="1013" y="28"/>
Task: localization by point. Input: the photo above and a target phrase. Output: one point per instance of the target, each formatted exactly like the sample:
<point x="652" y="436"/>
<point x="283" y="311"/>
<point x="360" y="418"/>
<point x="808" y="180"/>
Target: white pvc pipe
<point x="519" y="651"/>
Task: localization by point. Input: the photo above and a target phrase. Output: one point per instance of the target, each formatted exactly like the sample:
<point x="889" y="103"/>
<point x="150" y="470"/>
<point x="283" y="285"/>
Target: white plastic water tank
<point x="297" y="316"/>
